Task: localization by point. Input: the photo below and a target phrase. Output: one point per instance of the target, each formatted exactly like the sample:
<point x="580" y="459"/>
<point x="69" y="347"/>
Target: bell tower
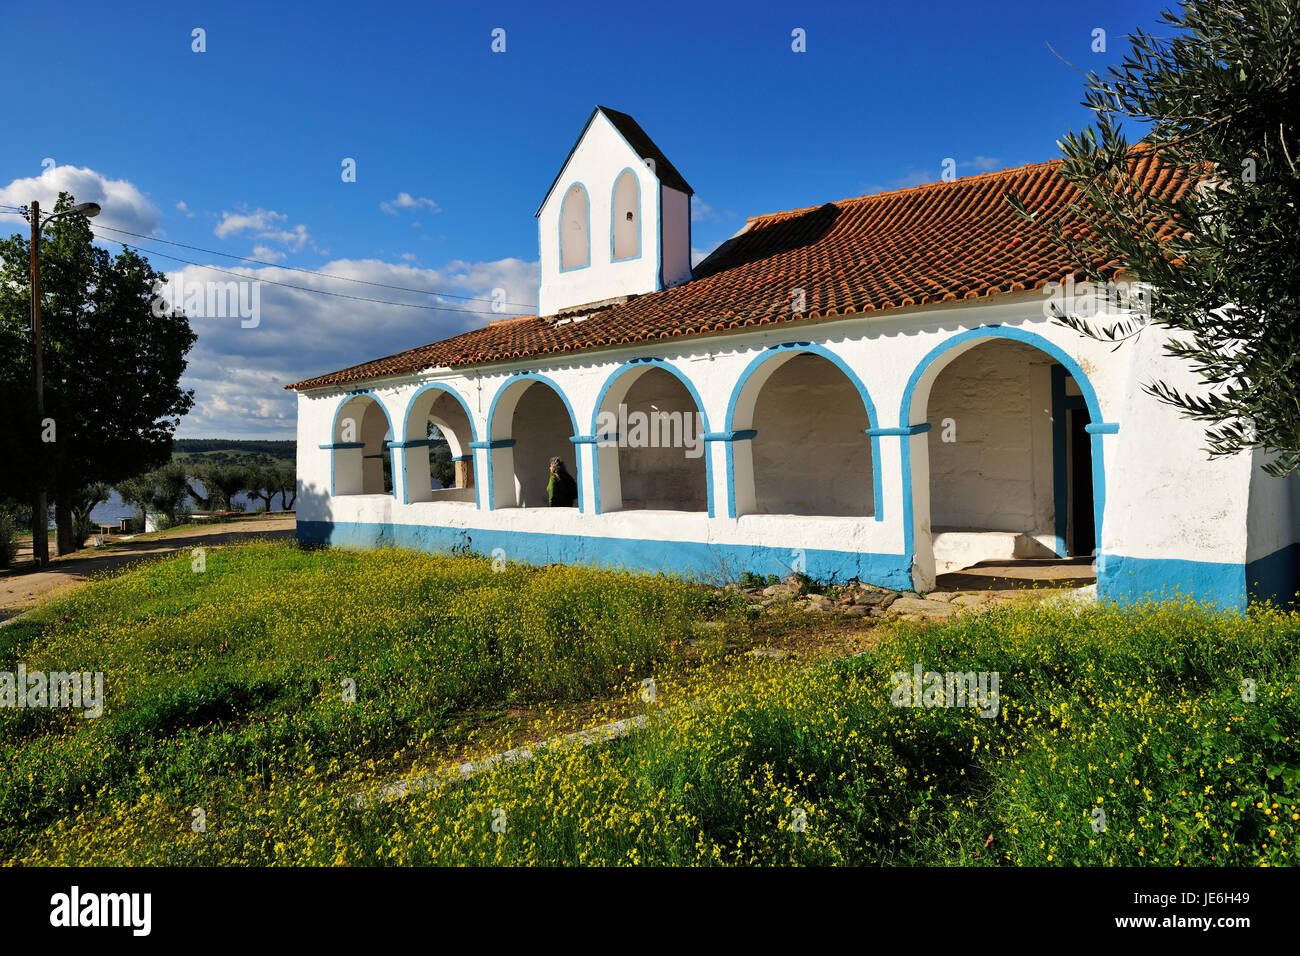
<point x="616" y="222"/>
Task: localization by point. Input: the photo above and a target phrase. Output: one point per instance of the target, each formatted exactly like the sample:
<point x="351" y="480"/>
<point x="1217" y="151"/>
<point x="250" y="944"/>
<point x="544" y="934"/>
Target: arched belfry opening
<point x="625" y="225"/>
<point x="575" y="229"/>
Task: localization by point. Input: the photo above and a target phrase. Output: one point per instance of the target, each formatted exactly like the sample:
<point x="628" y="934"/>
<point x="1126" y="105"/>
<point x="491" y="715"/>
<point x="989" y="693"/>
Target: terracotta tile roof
<point x="925" y="244"/>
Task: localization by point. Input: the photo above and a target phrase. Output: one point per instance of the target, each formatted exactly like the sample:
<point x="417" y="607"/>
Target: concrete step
<point x="954" y="550"/>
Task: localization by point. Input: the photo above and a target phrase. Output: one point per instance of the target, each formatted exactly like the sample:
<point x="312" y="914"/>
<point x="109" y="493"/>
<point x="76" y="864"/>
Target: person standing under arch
<point x="561" y="489"/>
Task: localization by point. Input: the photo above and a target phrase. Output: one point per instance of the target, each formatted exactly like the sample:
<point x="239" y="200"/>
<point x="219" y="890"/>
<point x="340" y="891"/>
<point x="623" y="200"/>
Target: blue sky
<point x="238" y="149"/>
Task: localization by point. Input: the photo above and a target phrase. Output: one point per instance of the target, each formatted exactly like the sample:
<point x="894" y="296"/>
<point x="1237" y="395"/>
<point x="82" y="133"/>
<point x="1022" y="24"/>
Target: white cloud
<point x="407" y="201"/>
<point x="238" y="374"/>
<point x="294" y="238"/>
<point x="185" y="209"/>
<point x="259" y="220"/>
<point x="702" y="211"/>
<point x="122" y="204"/>
<point x="263" y="224"/>
<point x="267" y="253"/>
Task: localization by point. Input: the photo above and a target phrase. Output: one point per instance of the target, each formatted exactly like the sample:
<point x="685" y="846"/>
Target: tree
<point x="1221" y="246"/>
<point x="84" y="501"/>
<point x="263" y="483"/>
<point x="112" y="368"/>
<point x="286" y="480"/>
<point x="222" y="483"/>
<point x="160" y="491"/>
<point x="203" y="498"/>
<point x="441" y="468"/>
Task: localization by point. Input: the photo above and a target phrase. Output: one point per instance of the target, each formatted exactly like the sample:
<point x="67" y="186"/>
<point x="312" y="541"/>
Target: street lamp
<point x="40" y="509"/>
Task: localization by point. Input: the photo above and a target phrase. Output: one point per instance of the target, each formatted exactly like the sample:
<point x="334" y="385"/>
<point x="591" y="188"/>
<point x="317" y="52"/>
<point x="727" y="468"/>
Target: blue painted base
<point x="690" y="558"/>
<point x="1272" y="578"/>
<point x="1122" y="579"/>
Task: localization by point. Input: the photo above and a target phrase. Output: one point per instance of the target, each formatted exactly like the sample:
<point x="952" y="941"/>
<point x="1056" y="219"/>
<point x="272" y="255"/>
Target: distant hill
<point x="231" y="451"/>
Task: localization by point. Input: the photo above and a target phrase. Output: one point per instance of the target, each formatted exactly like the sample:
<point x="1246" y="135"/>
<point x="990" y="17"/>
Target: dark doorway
<point x="1082" y="535"/>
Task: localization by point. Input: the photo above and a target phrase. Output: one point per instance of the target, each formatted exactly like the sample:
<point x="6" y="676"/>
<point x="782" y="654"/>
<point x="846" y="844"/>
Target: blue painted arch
<point x="334" y="427"/>
<point x="1043" y="345"/>
<point x="446" y="389"/>
<point x="352" y="396"/>
<point x="410" y="410"/>
<point x="645" y="363"/>
<point x="491" y="422"/>
<point x="788" y="348"/>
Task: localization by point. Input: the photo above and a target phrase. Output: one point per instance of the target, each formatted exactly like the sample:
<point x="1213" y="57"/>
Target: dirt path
<point x="21" y="589"/>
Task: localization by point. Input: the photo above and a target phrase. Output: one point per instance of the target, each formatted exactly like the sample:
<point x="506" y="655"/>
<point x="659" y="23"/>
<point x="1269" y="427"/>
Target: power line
<point x="302" y="288"/>
<point x="324" y="275"/>
<point x="312" y="272"/>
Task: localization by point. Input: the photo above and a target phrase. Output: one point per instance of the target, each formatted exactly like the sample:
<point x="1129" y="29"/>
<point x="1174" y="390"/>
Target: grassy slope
<point x="1139" y="714"/>
<point x="215" y="675"/>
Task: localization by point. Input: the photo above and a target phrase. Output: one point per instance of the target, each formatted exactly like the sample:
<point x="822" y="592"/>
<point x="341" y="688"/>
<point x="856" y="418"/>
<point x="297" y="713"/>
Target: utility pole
<point x="40" y="510"/>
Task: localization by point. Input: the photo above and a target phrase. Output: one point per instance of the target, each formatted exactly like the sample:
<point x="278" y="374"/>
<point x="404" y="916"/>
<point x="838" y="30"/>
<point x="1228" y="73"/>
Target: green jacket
<point x="562" y="490"/>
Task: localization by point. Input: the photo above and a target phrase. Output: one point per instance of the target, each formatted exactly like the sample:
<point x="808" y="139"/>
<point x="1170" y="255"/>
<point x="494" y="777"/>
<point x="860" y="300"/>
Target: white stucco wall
<point x="1274" y="515"/>
<point x="1167" y="497"/>
<point x="676" y="232"/>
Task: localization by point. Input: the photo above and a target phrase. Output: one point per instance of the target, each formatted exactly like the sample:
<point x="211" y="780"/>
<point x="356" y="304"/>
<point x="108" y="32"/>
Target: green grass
<point x="1140" y="714"/>
<point x="221" y="673"/>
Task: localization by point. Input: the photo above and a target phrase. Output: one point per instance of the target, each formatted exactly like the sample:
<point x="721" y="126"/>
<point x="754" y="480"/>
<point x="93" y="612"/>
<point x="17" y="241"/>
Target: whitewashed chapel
<point x="871" y="388"/>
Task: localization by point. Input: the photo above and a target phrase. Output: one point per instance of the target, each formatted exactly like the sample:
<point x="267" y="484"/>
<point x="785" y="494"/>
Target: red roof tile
<point x="925" y="244"/>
